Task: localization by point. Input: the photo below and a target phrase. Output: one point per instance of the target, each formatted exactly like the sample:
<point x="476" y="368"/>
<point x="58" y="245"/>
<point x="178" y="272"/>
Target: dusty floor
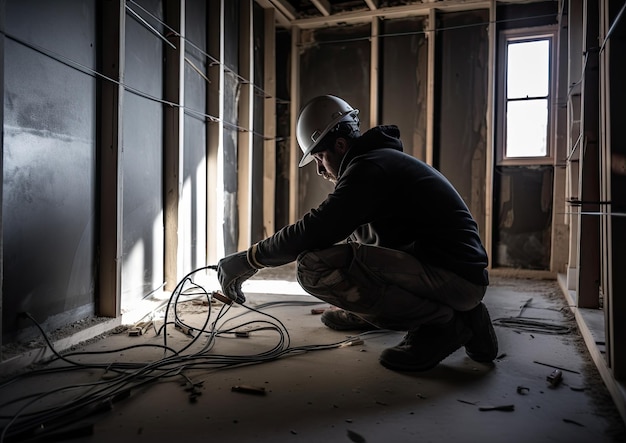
<point x="280" y="385"/>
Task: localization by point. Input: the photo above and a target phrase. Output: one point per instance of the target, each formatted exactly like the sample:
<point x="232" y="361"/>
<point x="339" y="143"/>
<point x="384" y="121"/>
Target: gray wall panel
<point x="194" y="199"/>
<point x="231" y="120"/>
<point x="49" y="164"/>
<point x="142" y="160"/>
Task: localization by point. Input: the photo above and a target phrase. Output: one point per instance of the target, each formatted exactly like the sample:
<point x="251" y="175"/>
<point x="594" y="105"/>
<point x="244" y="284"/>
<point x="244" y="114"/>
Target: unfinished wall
<point x="336" y="61"/>
<point x="522" y="204"/>
<point x="523" y="195"/>
<point x="51" y="180"/>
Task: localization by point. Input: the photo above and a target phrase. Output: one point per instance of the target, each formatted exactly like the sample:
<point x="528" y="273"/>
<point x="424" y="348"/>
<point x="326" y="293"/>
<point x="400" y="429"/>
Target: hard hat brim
<point x="307" y="157"/>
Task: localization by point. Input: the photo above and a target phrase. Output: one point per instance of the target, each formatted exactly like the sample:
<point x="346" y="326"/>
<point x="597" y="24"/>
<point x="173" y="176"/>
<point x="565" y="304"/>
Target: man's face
<point x="329" y="160"/>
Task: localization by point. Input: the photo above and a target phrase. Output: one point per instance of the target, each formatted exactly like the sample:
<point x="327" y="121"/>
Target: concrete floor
<point x="340" y="394"/>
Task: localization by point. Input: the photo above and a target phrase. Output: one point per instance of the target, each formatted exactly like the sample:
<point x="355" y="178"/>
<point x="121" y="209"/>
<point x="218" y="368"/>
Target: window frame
<point x="524" y="35"/>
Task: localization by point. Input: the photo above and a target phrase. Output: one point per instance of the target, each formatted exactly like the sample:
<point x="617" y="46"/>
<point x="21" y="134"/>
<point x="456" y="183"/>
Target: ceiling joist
<point x="372" y="4"/>
<point x="285" y="8"/>
<point x="323" y="6"/>
<point x="411" y="10"/>
<point x="281" y="18"/>
<point x="311" y="14"/>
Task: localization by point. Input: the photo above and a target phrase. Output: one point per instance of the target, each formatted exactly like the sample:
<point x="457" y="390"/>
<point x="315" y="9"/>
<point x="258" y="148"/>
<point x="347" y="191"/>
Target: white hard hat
<point x="317" y="118"/>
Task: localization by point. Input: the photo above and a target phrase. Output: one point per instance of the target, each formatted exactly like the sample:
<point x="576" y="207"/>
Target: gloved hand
<point x="232" y="271"/>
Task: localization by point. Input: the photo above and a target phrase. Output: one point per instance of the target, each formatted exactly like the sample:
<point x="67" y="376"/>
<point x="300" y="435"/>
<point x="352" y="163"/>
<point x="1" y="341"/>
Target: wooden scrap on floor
<point x="139" y="328"/>
<point x="247" y="389"/>
<point x="506" y="408"/>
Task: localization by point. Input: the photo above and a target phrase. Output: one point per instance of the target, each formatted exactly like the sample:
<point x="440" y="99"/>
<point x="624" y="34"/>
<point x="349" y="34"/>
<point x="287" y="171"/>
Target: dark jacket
<point x="391" y="199"/>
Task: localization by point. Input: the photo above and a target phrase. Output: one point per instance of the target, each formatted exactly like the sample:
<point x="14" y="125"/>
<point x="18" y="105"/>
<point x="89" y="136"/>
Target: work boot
<point x="424" y="348"/>
<point x="342" y="320"/>
<point x="483" y="346"/>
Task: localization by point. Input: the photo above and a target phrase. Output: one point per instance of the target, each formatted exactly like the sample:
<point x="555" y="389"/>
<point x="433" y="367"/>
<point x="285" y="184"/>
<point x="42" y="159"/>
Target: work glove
<point x="232" y="271"/>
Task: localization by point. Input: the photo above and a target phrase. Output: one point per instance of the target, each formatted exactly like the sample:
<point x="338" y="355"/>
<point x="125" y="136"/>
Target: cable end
<point x="221" y="297"/>
<point x="356" y="342"/>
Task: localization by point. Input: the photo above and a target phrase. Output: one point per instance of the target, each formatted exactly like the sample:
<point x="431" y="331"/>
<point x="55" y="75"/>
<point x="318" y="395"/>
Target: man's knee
<point x="313" y="271"/>
<point x="304" y="260"/>
<point x="323" y="260"/>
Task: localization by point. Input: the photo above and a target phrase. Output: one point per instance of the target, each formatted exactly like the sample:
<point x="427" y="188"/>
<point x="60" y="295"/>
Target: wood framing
<point x="391" y="12"/>
<point x="113" y="20"/>
<point x="2" y="26"/>
<point x="294" y="190"/>
<point x="245" y="143"/>
<point x="173" y="139"/>
<point x="374" y="64"/>
<point x="560" y="216"/>
<point x="269" y="129"/>
<point x="431" y="32"/>
<point x="280" y="17"/>
<point x="490" y="125"/>
<point x="589" y="181"/>
<point x="215" y="132"/>
<point x="574" y="135"/>
<point x="613" y="17"/>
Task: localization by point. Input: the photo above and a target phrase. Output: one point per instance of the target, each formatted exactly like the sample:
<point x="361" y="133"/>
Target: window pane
<point x="528" y="69"/>
<point x="527" y="128"/>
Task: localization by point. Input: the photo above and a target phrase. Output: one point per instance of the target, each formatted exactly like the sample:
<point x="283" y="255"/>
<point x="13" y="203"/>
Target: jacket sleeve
<point x="348" y="207"/>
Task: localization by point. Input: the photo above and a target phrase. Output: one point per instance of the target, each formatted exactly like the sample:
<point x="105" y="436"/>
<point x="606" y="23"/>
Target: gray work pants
<point x="389" y="288"/>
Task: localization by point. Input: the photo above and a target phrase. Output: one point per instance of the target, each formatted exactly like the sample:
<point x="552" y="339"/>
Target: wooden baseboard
<point x="616" y="388"/>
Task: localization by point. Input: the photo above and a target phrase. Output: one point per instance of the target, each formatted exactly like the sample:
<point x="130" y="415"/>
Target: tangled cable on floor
<point x="529" y="324"/>
<point x="29" y="421"/>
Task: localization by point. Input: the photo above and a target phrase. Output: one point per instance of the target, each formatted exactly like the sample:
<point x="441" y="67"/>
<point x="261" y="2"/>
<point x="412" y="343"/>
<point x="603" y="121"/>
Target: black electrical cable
<point x="175" y="294"/>
<point x="532" y="325"/>
<point x="127" y="376"/>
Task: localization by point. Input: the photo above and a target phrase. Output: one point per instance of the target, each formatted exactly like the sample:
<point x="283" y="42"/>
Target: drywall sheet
<point x="193" y="209"/>
<point x="49" y="185"/>
<point x="142" y="158"/>
<point x="231" y="120"/>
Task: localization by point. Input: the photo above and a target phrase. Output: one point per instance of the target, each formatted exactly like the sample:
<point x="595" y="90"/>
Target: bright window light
<point x="527" y="98"/>
<point x="527" y="129"/>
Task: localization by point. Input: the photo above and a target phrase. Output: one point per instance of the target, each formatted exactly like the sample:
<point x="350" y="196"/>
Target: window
<point x="525" y="91"/>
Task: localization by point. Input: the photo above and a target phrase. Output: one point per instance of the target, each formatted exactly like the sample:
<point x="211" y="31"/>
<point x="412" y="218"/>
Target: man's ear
<point x="341" y="145"/>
